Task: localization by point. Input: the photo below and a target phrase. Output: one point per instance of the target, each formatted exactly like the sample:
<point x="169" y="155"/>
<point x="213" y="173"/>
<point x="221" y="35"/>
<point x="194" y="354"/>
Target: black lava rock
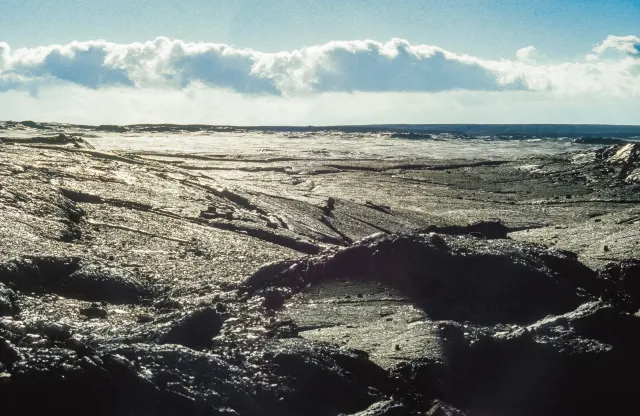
<point x="7" y="301"/>
<point x="94" y="312"/>
<point x="386" y="408"/>
<point x="196" y="330"/>
<point x="94" y="282"/>
<point x="461" y="278"/>
<point x="274" y="299"/>
<point x="8" y="353"/>
<point x="71" y="277"/>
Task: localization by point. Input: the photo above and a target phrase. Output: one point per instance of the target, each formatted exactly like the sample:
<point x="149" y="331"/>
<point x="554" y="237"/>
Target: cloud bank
<point x="341" y="82"/>
<point x="340" y="66"/>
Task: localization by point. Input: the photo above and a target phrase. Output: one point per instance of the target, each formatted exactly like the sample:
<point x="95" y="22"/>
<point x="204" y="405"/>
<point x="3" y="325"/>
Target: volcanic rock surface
<point x="146" y="283"/>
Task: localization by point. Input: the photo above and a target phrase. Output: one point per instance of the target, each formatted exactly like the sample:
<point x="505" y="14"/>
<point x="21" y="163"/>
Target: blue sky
<point x="487" y="28"/>
<point x="538" y="54"/>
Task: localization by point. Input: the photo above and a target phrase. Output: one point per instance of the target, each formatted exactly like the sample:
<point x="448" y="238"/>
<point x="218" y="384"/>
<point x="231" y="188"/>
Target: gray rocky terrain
<point x="144" y="283"/>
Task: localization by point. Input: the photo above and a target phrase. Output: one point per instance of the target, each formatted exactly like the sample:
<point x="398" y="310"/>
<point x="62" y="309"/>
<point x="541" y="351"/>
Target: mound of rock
<point x="74" y="278"/>
<point x="626" y="158"/>
<point x="569" y="364"/>
<point x="515" y="328"/>
<point x="458" y="278"/>
<point x="195" y="330"/>
<point x="7" y="301"/>
<point x="621" y="283"/>
<point x="282" y="378"/>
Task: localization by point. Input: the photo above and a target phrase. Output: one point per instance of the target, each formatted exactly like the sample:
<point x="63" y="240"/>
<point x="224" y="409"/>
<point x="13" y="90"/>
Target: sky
<point x="320" y="62"/>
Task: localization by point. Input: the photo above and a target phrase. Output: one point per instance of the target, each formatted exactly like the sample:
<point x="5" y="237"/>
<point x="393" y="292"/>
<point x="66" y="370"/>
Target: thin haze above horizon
<point x="331" y="62"/>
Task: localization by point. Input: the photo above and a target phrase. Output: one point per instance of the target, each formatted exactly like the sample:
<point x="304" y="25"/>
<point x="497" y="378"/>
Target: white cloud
<point x="373" y="66"/>
<point x="4" y="55"/>
<point x="528" y="55"/>
<point x="629" y="45"/>
<point x="337" y="82"/>
<point x="609" y="78"/>
<point x="336" y="66"/>
<point x="341" y="66"/>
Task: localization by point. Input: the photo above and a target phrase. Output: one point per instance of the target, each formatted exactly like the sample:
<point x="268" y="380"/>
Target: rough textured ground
<point x="161" y="283"/>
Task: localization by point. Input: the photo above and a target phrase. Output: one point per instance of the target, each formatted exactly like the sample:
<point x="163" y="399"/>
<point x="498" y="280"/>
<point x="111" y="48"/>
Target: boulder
<point x="71" y="277"/>
<point x="385" y="408"/>
<point x="196" y="330"/>
<point x="95" y="282"/>
<point x="7" y="301"/>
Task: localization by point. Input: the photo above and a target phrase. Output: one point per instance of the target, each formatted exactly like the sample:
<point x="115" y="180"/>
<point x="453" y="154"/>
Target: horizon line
<point x="317" y="125"/>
